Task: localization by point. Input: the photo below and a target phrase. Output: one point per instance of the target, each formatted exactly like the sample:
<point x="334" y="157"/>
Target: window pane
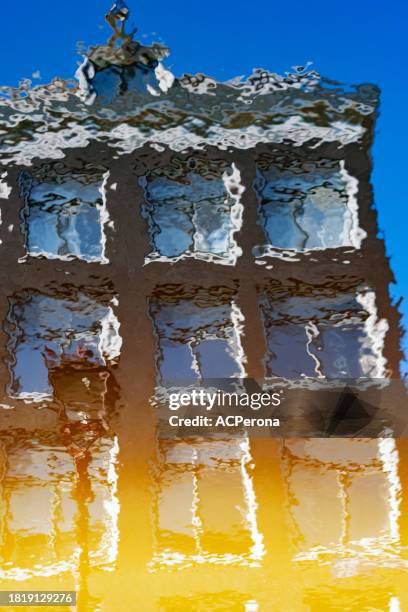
<point x="198" y="334"/>
<point x="193" y="213"/>
<point x="47" y="333"/>
<point x="63" y="213"/>
<point x="319" y="333"/>
<point x="305" y="205"/>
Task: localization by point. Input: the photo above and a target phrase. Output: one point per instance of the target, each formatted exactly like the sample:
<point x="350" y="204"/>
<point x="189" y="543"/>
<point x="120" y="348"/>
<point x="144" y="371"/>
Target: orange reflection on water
<point x="227" y="524"/>
<point x="93" y="499"/>
<point x="192" y="524"/>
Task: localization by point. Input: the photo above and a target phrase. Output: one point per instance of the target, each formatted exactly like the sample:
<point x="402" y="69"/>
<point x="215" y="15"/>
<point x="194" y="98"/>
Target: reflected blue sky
<point x="353" y="42"/>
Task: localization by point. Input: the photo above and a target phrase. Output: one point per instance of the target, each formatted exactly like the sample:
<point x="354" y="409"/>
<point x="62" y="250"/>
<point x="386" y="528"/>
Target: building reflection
<point x="270" y="178"/>
<point x="59" y="480"/>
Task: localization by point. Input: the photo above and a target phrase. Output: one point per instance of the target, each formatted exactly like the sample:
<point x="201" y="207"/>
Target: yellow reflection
<point x="203" y="524"/>
<point x="354" y="510"/>
<point x="57" y="506"/>
<point x="193" y="524"/>
<point x="226" y="600"/>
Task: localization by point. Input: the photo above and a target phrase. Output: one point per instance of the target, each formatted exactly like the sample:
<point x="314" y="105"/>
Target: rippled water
<point x="157" y="230"/>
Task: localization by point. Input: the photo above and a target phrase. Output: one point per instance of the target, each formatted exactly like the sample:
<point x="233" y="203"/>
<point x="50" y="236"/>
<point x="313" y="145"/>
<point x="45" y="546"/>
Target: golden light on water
<point x="210" y="524"/>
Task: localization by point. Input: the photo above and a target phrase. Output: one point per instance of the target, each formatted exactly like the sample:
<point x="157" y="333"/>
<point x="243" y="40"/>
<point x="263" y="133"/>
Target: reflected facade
<point x="186" y="237"/>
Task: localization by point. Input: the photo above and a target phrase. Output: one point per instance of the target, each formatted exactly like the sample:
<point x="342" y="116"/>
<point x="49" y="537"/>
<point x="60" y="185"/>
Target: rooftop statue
<point x="122" y="64"/>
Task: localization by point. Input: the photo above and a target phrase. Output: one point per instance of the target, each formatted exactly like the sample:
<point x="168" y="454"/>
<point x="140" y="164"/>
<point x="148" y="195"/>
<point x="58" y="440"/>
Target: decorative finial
<point x="121" y="48"/>
<point x="116" y="18"/>
<point x="122" y="64"/>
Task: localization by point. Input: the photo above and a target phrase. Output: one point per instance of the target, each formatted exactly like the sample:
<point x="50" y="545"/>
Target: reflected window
<point x="331" y="483"/>
<point x="193" y="522"/>
<point x="193" y="210"/>
<point x="322" y="332"/>
<point x="197" y="333"/>
<point x="47" y="333"/>
<point x="304" y="205"/>
<point x="45" y="510"/>
<point x="64" y="212"/>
